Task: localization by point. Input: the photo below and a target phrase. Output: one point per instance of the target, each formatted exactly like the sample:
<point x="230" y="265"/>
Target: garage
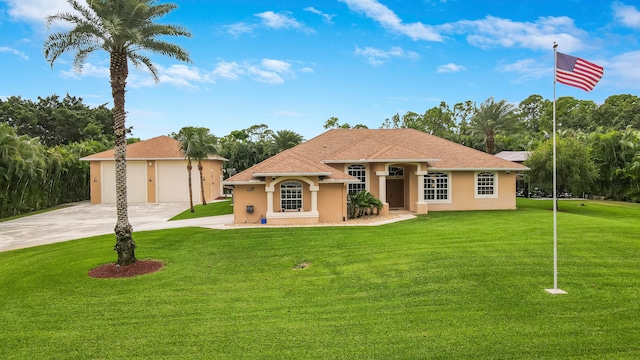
<point x="136" y="182"/>
<point x="156" y="172"/>
<point x="173" y="182"/>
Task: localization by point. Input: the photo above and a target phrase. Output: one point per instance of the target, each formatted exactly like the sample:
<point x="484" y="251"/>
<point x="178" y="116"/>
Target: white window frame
<point x="361" y="174"/>
<point x="481" y="175"/>
<point x="291" y="188"/>
<point x="427" y="188"/>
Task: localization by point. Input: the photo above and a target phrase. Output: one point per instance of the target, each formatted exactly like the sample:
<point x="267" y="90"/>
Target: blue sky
<point x="293" y="64"/>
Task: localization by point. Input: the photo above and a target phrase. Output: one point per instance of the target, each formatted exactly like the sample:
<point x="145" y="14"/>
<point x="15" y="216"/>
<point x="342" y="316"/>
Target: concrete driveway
<point x="84" y="219"/>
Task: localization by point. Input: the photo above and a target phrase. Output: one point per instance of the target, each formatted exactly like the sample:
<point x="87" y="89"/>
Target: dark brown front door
<point x="395" y="193"/>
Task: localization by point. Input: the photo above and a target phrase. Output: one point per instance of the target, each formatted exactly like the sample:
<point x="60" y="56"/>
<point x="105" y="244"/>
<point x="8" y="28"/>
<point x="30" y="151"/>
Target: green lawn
<point x="450" y="285"/>
<point x="211" y="209"/>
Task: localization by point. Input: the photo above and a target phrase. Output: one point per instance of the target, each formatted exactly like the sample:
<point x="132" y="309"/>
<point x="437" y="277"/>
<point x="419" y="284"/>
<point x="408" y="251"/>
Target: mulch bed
<point x="140" y="267"/>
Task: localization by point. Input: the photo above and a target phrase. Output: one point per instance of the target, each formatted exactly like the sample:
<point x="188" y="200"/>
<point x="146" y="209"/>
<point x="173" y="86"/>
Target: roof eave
<point x="330" y="161"/>
<point x="318" y="173"/>
<point x="86" y="158"/>
<point x="479" y="169"/>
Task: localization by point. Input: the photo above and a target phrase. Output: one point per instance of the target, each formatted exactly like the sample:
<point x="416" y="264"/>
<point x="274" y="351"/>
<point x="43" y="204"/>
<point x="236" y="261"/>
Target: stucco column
<point x="269" y="199"/>
<point x="382" y="185"/>
<point x="422" y="207"/>
<point x="314" y="198"/>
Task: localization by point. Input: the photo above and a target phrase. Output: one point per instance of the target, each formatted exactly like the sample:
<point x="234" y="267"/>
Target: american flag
<point x="573" y="71"/>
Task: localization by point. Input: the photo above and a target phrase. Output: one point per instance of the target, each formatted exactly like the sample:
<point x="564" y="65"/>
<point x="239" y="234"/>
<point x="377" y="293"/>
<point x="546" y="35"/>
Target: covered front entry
<point x="395" y="193"/>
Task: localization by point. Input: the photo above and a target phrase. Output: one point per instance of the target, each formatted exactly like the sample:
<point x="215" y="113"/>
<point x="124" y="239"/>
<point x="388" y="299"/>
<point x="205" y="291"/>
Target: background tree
<point x="55" y="121"/>
<point x="334" y="123"/>
<point x="530" y="112"/>
<point x="493" y="118"/>
<point x="196" y="143"/>
<point x="618" y="112"/>
<point x="127" y="32"/>
<point x="439" y="121"/>
<point x="576" y="170"/>
<point x="285" y="139"/>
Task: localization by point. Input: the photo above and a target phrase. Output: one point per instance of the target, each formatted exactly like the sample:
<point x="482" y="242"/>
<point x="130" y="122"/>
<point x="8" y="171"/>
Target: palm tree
<point x="492" y="118"/>
<point x="126" y="30"/>
<point x="196" y="144"/>
<point x="285" y="139"/>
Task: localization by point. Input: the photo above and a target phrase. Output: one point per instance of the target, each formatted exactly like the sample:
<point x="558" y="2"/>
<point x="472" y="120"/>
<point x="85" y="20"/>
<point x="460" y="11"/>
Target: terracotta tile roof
<point x="161" y="147"/>
<point x="375" y="145"/>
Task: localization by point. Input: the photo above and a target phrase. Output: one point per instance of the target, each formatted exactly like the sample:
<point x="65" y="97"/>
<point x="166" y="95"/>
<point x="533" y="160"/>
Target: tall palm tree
<point x="196" y="144"/>
<point x="126" y="30"/>
<point x="492" y="118"/>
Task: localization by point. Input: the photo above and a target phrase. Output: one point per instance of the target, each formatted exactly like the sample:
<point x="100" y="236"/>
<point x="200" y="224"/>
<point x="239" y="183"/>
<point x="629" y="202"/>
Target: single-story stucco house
<point x="404" y="168"/>
<point x="156" y="173"/>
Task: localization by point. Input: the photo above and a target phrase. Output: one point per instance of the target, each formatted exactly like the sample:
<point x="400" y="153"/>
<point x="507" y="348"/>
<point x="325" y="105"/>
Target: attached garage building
<point x="156" y="173"/>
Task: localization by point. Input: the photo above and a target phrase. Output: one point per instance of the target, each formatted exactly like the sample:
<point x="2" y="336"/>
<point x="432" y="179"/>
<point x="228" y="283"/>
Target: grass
<point x="452" y="285"/>
<point x="211" y="209"/>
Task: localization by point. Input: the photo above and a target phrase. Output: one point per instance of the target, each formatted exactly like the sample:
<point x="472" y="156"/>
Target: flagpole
<point x="555" y="289"/>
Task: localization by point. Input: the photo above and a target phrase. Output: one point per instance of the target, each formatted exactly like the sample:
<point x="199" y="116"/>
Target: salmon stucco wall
<point x="332" y="204"/>
<point x="96" y="185"/>
<point x="463" y="193"/>
<point x="245" y="195"/>
<point x="212" y="179"/>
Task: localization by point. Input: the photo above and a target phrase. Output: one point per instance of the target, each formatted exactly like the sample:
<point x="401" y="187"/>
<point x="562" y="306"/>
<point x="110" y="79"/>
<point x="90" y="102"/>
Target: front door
<point x="395" y="193"/>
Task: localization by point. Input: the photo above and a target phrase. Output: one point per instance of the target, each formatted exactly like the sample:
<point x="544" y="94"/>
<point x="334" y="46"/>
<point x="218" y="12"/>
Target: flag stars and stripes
<point x="574" y="71"/>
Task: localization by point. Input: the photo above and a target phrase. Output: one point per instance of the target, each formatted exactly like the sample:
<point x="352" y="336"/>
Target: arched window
<point x="436" y="186"/>
<point x="358" y="171"/>
<point x="291" y="195"/>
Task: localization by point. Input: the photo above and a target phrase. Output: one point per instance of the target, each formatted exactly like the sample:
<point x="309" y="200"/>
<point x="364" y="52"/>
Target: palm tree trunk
<point x="125" y="246"/>
<point x="490" y="143"/>
<point x="189" y="167"/>
<point x="204" y="201"/>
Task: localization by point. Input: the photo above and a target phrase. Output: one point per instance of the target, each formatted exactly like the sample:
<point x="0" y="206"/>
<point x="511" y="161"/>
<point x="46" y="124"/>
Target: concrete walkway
<point x="83" y="219"/>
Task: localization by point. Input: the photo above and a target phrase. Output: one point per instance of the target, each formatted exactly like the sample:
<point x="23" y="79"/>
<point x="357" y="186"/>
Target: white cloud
<point x="36" y="10"/>
<point x="88" y="70"/>
<point x="538" y="35"/>
<point x="379" y="56"/>
<point x="228" y="70"/>
<point x="628" y="15"/>
<point x="265" y="76"/>
<point x="450" y="68"/>
<point x="177" y="75"/>
<point x="281" y="21"/>
<point x="14" y="52"/>
<point x="278" y="66"/>
<point x="623" y="69"/>
<point x="270" y="71"/>
<point x="240" y="28"/>
<point x="182" y="76"/>
<point x="389" y="20"/>
<point x="307" y="70"/>
<point x="527" y="70"/>
<point x="326" y="17"/>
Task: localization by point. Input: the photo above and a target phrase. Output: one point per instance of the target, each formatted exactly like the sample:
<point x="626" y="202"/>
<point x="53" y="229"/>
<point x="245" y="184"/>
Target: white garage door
<point x="136" y="182"/>
<point x="173" y="182"/>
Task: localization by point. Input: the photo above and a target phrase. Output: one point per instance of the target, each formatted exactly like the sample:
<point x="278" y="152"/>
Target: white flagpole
<point x="555" y="289"/>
